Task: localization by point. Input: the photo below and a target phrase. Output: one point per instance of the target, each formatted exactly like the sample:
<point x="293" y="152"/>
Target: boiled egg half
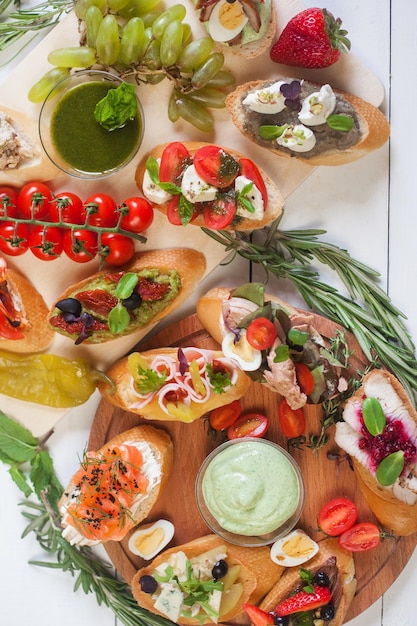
<point x="294" y="549"/>
<point x="249" y="359"/>
<point x="150" y="539"/>
<point x="227" y="20"/>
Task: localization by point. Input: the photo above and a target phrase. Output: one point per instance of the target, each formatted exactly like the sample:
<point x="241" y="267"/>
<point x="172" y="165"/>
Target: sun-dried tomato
<point x="149" y="290"/>
<point x="175" y="395"/>
<point x="76" y="327"/>
<point x="97" y="301"/>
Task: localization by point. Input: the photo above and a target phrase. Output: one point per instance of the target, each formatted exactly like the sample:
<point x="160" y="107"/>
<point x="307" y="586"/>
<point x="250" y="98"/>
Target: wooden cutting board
<point x="324" y="479"/>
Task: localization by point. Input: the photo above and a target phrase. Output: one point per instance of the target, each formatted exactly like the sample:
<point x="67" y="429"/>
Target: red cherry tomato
<point x="117" y="249"/>
<point x="291" y="421"/>
<point x="360" y="537"/>
<point x="173" y="211"/>
<point x="80" y="245"/>
<point x="251" y="171"/>
<point x="174" y="158"/>
<point x="220" y="213"/>
<point x="224" y="416"/>
<point x="337" y="516"/>
<point x="216" y="166"/>
<point x="66" y="207"/>
<point x="33" y="200"/>
<point x="8" y="201"/>
<point x="137" y="214"/>
<point x="261" y="333"/>
<point x="14" y="238"/>
<point x="101" y="210"/>
<point x="248" y="425"/>
<point x="305" y="378"/>
<point x="46" y="242"/>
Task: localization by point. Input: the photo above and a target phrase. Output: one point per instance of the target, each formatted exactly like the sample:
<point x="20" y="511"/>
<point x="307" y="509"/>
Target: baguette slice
<point x="394" y="506"/>
<point x="157" y="452"/>
<point x="188" y="263"/>
<point x="125" y="398"/>
<point x="328" y="549"/>
<point x="374" y="127"/>
<point x="36" y="165"/>
<point x="275" y="200"/>
<point x="258" y="573"/>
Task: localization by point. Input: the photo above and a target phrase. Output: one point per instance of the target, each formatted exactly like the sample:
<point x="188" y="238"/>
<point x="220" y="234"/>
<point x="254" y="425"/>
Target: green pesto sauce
<point x="79" y="138"/>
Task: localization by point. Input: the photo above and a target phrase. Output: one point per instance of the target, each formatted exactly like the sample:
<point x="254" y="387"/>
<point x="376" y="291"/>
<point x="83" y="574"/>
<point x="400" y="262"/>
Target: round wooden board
<point x="324" y="479"/>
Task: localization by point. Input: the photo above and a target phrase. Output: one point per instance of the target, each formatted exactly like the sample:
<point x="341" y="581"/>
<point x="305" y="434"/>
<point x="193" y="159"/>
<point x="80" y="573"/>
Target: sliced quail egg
<point x="227" y="20"/>
<point x="150" y="539"/>
<point x="293" y="549"/>
<point x="249" y="359"/>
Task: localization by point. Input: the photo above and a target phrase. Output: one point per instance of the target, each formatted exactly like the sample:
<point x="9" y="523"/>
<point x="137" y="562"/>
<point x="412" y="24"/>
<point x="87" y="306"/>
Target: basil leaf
<point x="271" y="132"/>
<point x="117" y="107"/>
<point x="246" y="203"/>
<point x="390" y="468"/>
<point x="126" y="285"/>
<point x="17" y="444"/>
<point x="297" y="337"/>
<point x="282" y="353"/>
<point x="119" y="318"/>
<point x="152" y="168"/>
<point x="185" y="210"/>
<point x="344" y="123"/>
<point x="373" y="416"/>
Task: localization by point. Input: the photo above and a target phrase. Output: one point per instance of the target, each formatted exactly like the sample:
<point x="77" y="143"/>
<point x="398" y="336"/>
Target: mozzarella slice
<point x="254" y="196"/>
<point x="195" y="189"/>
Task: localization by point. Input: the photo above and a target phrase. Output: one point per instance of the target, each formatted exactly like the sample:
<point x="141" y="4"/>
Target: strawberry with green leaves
<point x="304" y="601"/>
<point x="311" y="39"/>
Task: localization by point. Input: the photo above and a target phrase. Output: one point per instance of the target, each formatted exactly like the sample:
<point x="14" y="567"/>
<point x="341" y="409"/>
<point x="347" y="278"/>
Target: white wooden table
<point x="367" y="207"/>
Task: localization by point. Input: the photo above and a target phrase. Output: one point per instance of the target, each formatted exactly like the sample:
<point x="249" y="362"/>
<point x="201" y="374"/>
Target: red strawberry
<point x="257" y="616"/>
<point x="312" y="38"/>
<point x="304" y="601"/>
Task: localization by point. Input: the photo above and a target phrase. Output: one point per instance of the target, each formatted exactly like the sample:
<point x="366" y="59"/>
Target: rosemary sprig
<point x="367" y="311"/>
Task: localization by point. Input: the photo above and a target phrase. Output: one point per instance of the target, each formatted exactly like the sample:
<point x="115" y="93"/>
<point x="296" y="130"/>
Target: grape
<point x="132" y="43"/>
<point x="154" y="79"/>
<point x="93" y="19"/>
<point x="82" y="6"/>
<point x="39" y="91"/>
<point x="195" y="113"/>
<point x="149" y="18"/>
<point x="108" y="42"/>
<point x="195" y="53"/>
<point x="138" y="8"/>
<point x="152" y="58"/>
<point x="74" y="56"/>
<point x="186" y="33"/>
<point x="208" y="70"/>
<point x="116" y="5"/>
<point x="171" y="43"/>
<point x="222" y="79"/>
<point x="176" y="12"/>
<point x="173" y="113"/>
<point x="209" y="96"/>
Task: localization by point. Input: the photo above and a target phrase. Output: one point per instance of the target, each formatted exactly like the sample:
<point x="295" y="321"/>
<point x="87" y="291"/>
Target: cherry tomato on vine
<point x="137" y="214"/>
<point x="173" y="160"/>
<point x="80" y="245"/>
<point x="101" y="210"/>
<point x="45" y="242"/>
<point x="248" y="425"/>
<point x="261" y="333"/>
<point x="291" y="421"/>
<point x="304" y="378"/>
<point x="8" y="201"/>
<point x="116" y="249"/>
<point x="360" y="537"/>
<point x="251" y="171"/>
<point x="337" y="516"/>
<point x="215" y="166"/>
<point x="66" y="207"/>
<point x="14" y="238"/>
<point x="33" y="200"/>
<point x="220" y="213"/>
<point x="224" y="416"/>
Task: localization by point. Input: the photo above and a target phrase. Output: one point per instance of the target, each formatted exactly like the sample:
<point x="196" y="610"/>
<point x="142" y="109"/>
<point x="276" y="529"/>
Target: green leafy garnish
<point x="185" y="208"/>
<point x="149" y="380"/>
<point x="243" y="200"/>
<point x="255" y="292"/>
<point x="126" y="285"/>
<point x="307" y="578"/>
<point x="390" y="468"/>
<point x="282" y="353"/>
<point x="117" y="107"/>
<point x="297" y="337"/>
<point x="219" y="380"/>
<point x="373" y="416"/>
<point x="272" y="131"/>
<point x="343" y="123"/>
<point x="119" y="317"/>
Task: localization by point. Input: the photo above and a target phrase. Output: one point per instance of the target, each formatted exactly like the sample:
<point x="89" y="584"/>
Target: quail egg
<point x="248" y="358"/>
<point x="150" y="539"/>
<point x="293" y="549"/>
<point x="227" y="20"/>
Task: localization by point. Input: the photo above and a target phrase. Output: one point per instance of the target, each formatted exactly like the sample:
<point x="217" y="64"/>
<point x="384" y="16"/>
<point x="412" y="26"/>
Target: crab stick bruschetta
<point x="175" y="384"/>
<point x="116" y="486"/>
<point x="208" y="185"/>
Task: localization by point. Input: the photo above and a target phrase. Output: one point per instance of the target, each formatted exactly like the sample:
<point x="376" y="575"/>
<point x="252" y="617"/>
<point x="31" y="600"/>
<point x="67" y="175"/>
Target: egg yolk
<point x="147" y="543"/>
<point x="231" y="15"/>
<point x="297" y="546"/>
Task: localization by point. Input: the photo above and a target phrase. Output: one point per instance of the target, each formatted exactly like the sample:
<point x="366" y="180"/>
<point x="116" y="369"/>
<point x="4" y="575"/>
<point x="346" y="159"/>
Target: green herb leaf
<point x="255" y="292"/>
<point x="373" y="416"/>
<point x="297" y="337"/>
<point x="390" y="468"/>
<point x="152" y="168"/>
<point x="126" y="285"/>
<point x="185" y="210"/>
<point x="307" y="578"/>
<point x="117" y="107"/>
<point x="343" y="123"/>
<point x="219" y="380"/>
<point x="271" y="132"/>
<point x="119" y="318"/>
<point x="148" y="380"/>
<point x="282" y="353"/>
<point x="16" y="442"/>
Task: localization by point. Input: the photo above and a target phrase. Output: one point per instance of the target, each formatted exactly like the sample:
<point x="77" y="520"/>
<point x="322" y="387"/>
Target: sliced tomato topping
<point x="251" y="171"/>
<point x="337" y="516"/>
<point x="220" y="213"/>
<point x="224" y="416"/>
<point x="261" y="333"/>
<point x="216" y="166"/>
<point x="174" y="159"/>
<point x="249" y="425"/>
<point x="291" y="421"/>
<point x="360" y="537"/>
<point x="174" y="213"/>
<point x="304" y="378"/>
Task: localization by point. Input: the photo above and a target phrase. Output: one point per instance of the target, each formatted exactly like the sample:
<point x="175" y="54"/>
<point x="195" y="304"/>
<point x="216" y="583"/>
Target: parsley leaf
<point x="219" y="380"/>
<point x="147" y="380"/>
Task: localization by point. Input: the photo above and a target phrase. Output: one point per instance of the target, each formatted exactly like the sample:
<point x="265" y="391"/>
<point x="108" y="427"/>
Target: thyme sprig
<point x="367" y="311"/>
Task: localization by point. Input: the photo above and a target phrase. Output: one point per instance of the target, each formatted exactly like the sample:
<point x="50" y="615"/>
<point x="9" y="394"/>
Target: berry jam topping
<point x="392" y="439"/>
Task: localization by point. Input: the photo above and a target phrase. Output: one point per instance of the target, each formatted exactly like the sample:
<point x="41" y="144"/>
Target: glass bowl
<point x="250" y="491"/>
<point x="71" y="137"/>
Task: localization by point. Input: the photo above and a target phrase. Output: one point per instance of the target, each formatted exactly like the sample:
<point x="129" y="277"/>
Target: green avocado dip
<point x="251" y="488"/>
<point x="81" y="141"/>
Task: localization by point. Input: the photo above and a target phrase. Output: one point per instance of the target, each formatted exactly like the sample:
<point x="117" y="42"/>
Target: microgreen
<point x="307" y="578"/>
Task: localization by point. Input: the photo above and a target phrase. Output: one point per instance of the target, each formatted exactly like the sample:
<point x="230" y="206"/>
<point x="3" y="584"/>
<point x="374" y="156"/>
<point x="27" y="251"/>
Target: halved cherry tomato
<point x="220" y="213"/>
<point x="66" y="207"/>
<point x="137" y="214"/>
<point x="8" y="201"/>
<point x="45" y="242"/>
<point x="337" y="516"/>
<point x="305" y="378"/>
<point x="174" y="159"/>
<point x="14" y="238"/>
<point x="117" y="249"/>
<point x="224" y="416"/>
<point x="216" y="166"/>
<point x="173" y="211"/>
<point x="101" y="210"/>
<point x="248" y="425"/>
<point x="80" y="245"/>
<point x="360" y="537"/>
<point x="291" y="421"/>
<point x="251" y="171"/>
<point x="261" y="333"/>
<point x="33" y="200"/>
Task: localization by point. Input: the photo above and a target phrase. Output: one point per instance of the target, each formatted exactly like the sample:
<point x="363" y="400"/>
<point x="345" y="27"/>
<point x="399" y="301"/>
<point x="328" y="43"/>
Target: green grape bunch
<point x="140" y="40"/>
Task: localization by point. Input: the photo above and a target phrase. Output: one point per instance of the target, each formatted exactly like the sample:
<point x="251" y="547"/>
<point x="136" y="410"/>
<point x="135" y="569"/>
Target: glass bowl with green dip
<point x="91" y="124"/>
<point x="250" y="491"/>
